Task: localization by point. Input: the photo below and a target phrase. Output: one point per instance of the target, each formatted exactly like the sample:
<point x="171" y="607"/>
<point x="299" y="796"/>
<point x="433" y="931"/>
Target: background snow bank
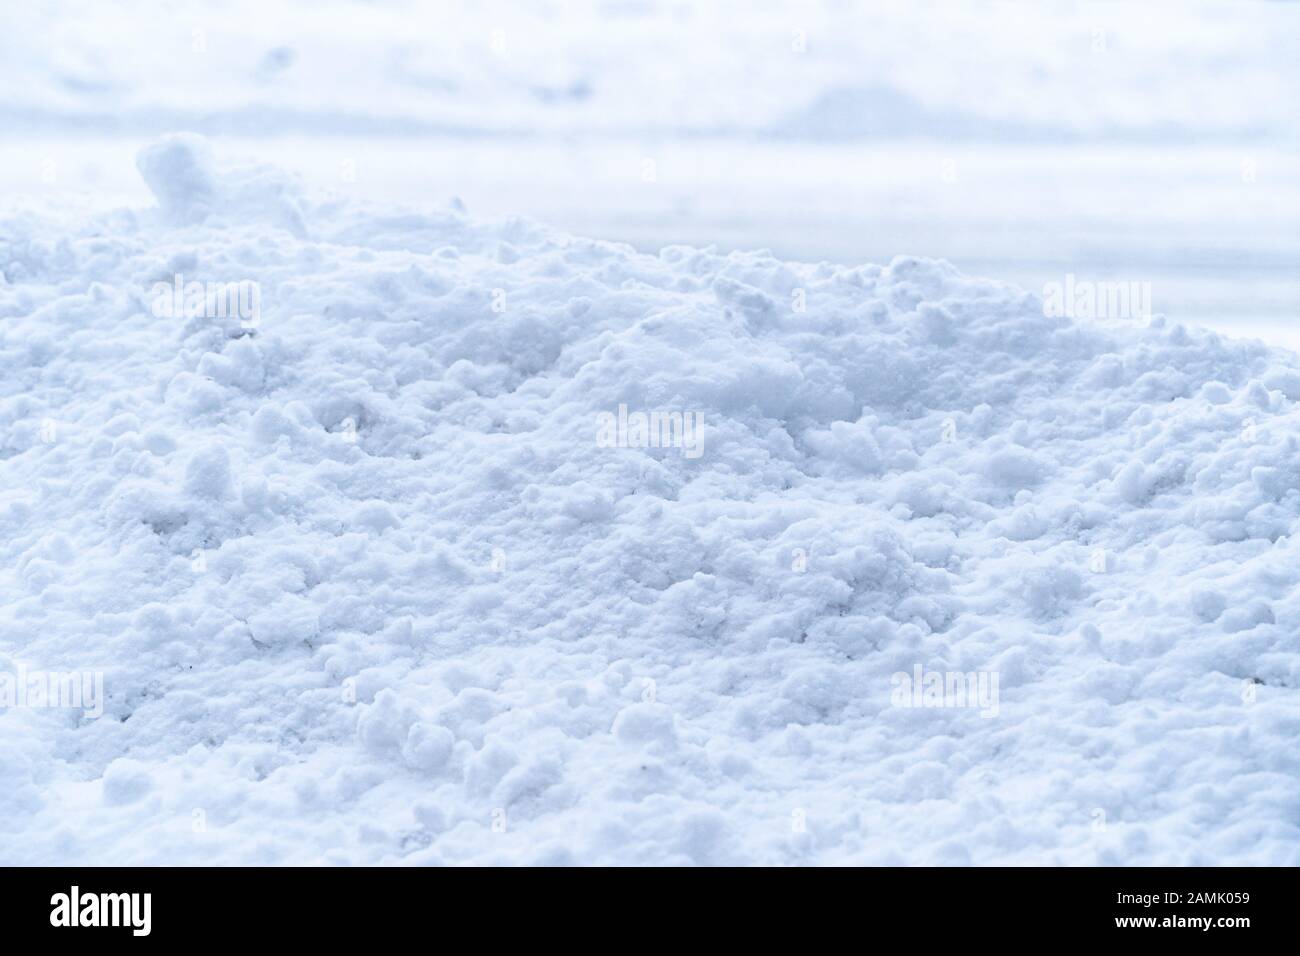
<point x="1116" y="141"/>
<point x="365" y="588"/>
<point x="814" y="69"/>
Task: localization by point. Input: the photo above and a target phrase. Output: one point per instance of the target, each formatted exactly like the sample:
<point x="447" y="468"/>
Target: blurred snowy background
<point x="1144" y="142"/>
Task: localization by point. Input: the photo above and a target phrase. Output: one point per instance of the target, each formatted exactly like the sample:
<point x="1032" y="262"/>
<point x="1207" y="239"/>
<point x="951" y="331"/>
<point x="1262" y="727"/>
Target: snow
<point x="1148" y="142"/>
<point x="792" y="69"/>
<point x="365" y="586"/>
<point x="179" y="171"/>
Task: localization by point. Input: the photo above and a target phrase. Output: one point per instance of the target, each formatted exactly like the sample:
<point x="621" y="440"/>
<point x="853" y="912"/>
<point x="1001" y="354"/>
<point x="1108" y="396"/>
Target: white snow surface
<point x="463" y="632"/>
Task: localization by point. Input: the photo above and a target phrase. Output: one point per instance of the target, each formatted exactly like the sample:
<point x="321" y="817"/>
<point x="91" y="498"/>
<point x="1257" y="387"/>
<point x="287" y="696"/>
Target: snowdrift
<point x="379" y="530"/>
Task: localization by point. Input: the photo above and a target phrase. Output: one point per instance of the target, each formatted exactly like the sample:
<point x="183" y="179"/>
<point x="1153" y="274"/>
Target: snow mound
<point x="181" y="172"/>
<point x="448" y="541"/>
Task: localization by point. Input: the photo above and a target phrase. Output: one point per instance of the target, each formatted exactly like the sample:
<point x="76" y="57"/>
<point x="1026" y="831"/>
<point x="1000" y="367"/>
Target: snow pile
<point x="384" y="564"/>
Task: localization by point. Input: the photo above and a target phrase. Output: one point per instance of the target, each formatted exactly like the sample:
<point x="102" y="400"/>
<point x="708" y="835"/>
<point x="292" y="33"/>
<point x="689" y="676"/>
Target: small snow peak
<point x="180" y="170"/>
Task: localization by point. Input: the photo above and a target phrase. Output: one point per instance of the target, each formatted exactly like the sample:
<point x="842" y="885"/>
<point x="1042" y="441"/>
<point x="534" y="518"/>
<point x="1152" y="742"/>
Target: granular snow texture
<point x="364" y="587"/>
